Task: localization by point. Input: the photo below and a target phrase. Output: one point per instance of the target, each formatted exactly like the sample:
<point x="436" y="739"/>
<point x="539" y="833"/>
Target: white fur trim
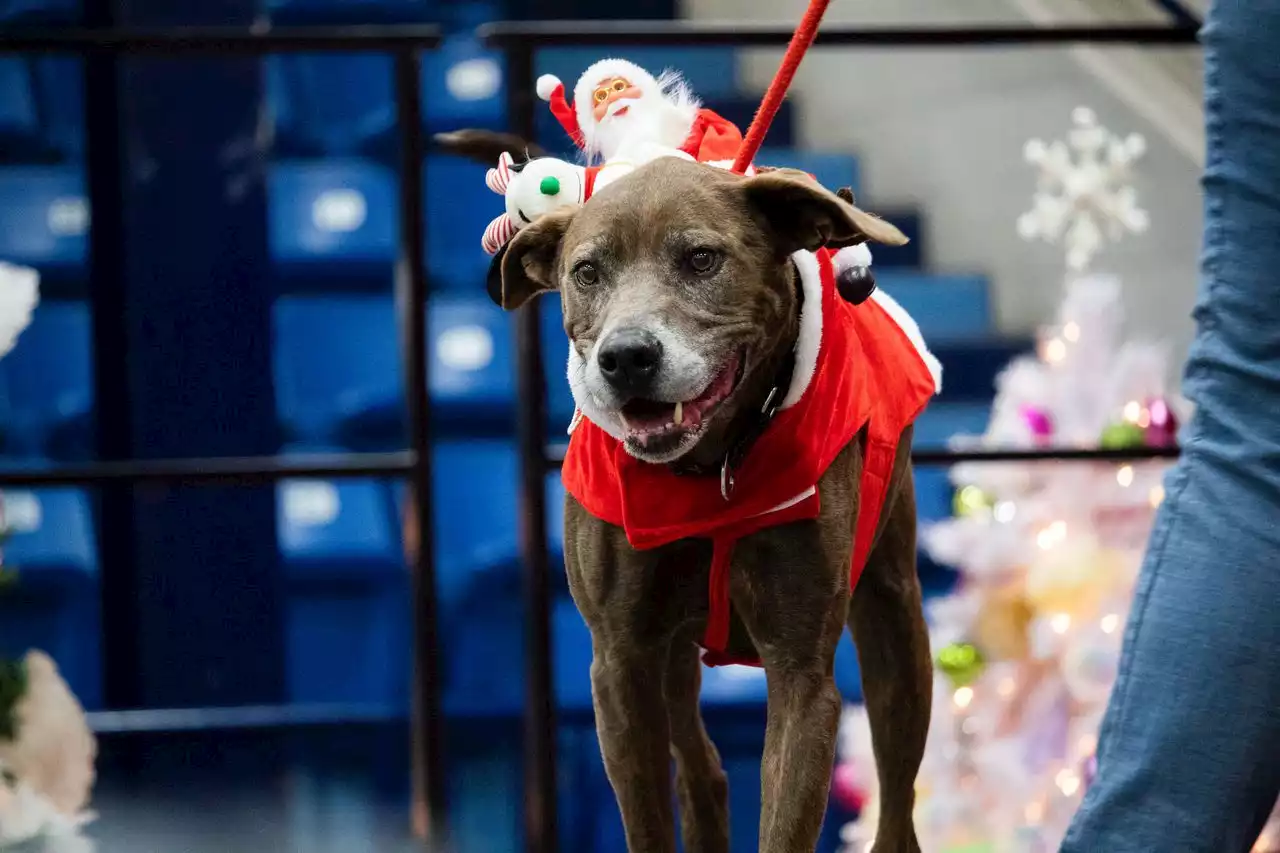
<point x="852" y="256"/>
<point x="909" y="327"/>
<point x="810" y="337"/>
<point x="546" y="86"/>
<point x="728" y="164"/>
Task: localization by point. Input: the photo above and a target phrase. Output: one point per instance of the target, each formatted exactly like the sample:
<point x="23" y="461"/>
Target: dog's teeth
<point x="679" y="419"/>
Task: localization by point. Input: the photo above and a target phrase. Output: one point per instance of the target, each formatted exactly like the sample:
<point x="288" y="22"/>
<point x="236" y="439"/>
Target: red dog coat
<point x="856" y="365"/>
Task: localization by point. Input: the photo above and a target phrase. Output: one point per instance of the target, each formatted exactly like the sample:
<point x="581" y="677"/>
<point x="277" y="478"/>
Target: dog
<point x="685" y="303"/>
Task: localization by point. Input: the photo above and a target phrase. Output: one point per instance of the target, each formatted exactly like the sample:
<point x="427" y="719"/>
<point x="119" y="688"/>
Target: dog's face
<point x="678" y="292"/>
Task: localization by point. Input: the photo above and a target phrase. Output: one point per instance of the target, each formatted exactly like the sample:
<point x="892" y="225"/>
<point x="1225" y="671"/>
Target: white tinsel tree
<point x="46" y="749"/>
<point x="1027" y="645"/>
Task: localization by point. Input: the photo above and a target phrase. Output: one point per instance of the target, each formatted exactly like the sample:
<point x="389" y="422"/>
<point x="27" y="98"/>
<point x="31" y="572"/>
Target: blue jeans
<point x="1189" y="755"/>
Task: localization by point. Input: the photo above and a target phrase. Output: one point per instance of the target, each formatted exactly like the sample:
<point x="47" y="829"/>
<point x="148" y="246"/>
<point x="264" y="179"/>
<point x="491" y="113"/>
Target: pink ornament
<point x="1162" y="428"/>
<point x="1038" y="420"/>
<point x="1090" y="770"/>
<point x="845" y="788"/>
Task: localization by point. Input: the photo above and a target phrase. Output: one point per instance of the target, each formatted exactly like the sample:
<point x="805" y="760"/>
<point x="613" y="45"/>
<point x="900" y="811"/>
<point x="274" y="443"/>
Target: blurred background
<point x="248" y="308"/>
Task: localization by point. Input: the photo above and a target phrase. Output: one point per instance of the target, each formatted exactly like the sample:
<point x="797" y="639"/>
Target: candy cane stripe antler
<point x="499" y="178"/>
<point x="497" y="233"/>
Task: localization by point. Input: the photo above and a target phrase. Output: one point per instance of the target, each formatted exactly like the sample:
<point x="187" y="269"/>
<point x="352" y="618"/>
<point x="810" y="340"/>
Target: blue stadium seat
<point x="831" y="169"/>
<point x="463" y="86"/>
<point x="947" y="307"/>
<point x="59" y="87"/>
<point x="44" y="216"/>
<point x="338" y="368"/>
<point x="39" y="12"/>
<point x="740" y="109"/>
<point x="48" y="383"/>
<point x="19" y="121"/>
<point x="348" y="617"/>
<point x="333" y="219"/>
<point x="710" y="71"/>
<point x="459" y="207"/>
<point x="478" y="577"/>
<point x="337" y="360"/>
<point x="910" y="256"/>
<point x="343" y="105"/>
<point x="337" y="105"/>
<point x="555" y="354"/>
<point x="350" y="11"/>
<point x="54" y="605"/>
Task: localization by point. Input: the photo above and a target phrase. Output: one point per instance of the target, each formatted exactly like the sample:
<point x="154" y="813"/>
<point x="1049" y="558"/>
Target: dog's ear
<point x="527" y="265"/>
<point x="805" y="215"/>
<point x="485" y="146"/>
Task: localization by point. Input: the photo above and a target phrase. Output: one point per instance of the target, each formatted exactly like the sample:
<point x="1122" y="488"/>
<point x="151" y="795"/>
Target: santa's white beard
<point x="648" y="121"/>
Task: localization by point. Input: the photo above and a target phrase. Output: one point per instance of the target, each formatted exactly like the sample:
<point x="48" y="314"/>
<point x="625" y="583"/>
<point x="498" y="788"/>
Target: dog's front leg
<point x="793" y="599"/>
<point x="633" y="608"/>
<point x="701" y="784"/>
<point x="631" y="722"/>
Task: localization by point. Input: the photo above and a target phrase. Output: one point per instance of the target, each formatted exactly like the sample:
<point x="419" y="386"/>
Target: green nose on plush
<point x="550" y="185"/>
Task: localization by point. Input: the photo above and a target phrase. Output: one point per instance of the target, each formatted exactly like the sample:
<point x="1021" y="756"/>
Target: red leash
<point x="800" y="43"/>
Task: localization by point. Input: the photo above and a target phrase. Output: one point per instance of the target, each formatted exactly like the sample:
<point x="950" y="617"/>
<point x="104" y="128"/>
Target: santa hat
<point x="577" y="118"/>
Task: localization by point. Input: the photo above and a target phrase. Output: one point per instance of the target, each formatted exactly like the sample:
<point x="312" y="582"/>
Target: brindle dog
<point x="622" y="264"/>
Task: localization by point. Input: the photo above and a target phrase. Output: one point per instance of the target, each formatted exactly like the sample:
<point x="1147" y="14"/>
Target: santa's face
<point x="610" y="92"/>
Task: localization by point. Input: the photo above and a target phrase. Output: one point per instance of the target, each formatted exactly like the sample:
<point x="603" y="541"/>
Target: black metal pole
<point x="540" y="706"/>
<point x="411" y="285"/>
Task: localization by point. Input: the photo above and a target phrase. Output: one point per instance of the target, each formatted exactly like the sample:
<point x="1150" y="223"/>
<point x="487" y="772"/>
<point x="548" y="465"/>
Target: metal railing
<point x="521" y="42"/>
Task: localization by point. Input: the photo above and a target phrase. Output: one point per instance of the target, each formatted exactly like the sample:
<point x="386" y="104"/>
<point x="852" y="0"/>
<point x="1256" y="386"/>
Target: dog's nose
<point x="629" y="360"/>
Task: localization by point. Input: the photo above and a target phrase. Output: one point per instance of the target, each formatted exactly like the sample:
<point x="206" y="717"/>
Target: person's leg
<point x="1189" y="755"/>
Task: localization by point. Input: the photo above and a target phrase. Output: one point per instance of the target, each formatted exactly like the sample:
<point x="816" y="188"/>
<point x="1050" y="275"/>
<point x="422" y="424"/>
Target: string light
<point x="1061" y="623"/>
<point x="1088" y="744"/>
<point x="1125" y="476"/>
<point x="1156" y="496"/>
<point x="963" y="697"/>
<point x="1132" y="411"/>
<point x="1052" y="535"/>
<point x="1110" y="622"/>
<point x="1068" y="782"/>
<point x="1055" y="351"/>
<point x="1071" y="331"/>
<point x="1005" y="511"/>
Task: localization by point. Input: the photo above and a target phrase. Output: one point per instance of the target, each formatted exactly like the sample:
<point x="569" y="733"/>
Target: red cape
<point x="866" y="370"/>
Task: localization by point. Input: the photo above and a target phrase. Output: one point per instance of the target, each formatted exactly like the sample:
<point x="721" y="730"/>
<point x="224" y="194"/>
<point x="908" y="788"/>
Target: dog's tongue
<point x="650" y="417"/>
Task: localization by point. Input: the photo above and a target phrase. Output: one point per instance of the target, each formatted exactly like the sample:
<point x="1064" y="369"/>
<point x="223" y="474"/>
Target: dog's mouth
<point x="655" y="425"/>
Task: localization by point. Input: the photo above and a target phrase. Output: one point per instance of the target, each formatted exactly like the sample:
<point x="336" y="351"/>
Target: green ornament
<point x="971" y="500"/>
<point x="13" y="686"/>
<point x="962" y="663"/>
<point x="550" y="185"/>
<point x="1123" y="436"/>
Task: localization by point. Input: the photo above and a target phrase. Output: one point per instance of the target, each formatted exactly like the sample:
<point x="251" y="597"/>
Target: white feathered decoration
<point x="19" y="293"/>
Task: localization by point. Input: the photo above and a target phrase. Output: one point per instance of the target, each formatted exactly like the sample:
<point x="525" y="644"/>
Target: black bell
<point x="856" y="284"/>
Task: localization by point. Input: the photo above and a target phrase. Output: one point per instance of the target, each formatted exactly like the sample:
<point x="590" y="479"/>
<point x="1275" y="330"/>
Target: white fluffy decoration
<point x="1084" y="193"/>
<point x="19" y="294"/>
<point x="546" y="86"/>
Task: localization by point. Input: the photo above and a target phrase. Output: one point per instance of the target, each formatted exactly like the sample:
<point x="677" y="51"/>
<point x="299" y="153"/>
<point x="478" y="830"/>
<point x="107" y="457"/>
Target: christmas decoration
<point x="46" y="749"/>
<point x="620" y="111"/>
<point x="1083" y="195"/>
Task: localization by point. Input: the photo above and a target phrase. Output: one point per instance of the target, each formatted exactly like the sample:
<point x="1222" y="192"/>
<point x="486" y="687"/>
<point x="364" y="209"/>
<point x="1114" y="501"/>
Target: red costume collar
<point x="856" y="366"/>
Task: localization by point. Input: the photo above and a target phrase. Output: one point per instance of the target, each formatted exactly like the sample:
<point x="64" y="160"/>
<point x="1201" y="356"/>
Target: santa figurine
<point x="620" y="111"/>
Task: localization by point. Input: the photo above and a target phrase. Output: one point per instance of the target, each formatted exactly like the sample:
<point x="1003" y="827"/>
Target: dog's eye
<point x="585" y="274"/>
<point x="702" y="261"/>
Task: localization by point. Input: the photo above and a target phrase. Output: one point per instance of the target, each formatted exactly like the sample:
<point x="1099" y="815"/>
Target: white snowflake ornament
<point x="1083" y="194"/>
